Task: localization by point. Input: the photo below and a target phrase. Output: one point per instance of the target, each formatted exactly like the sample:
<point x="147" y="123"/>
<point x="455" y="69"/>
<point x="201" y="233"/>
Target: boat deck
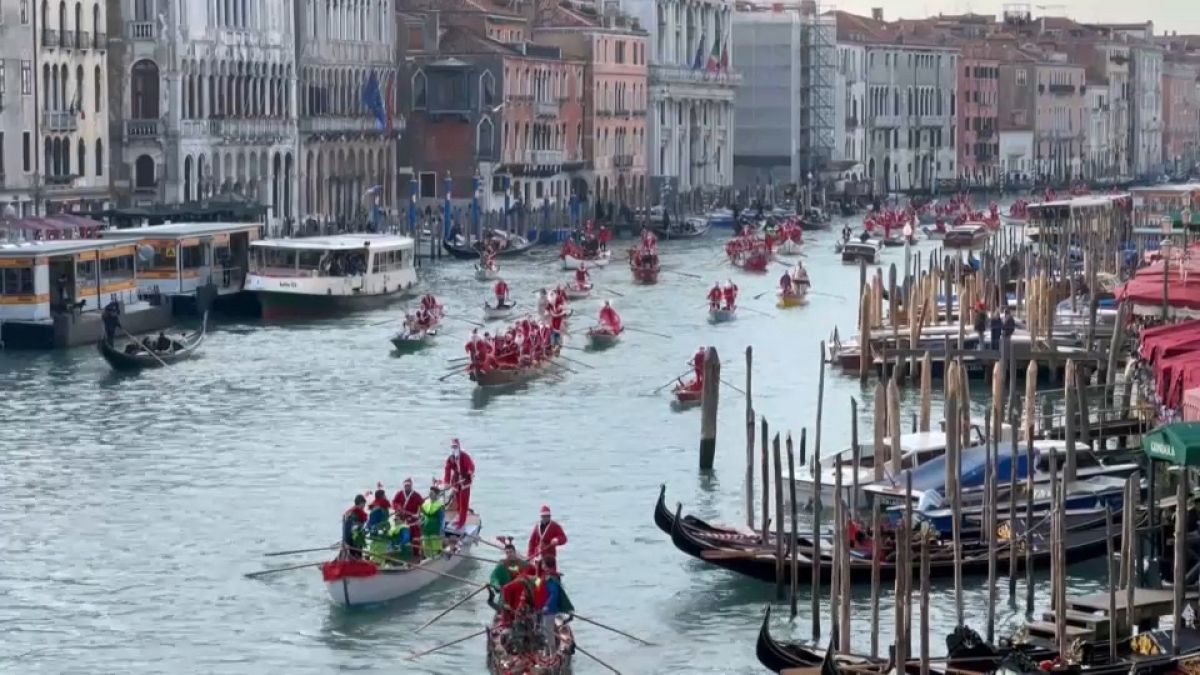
<point x="1088" y="618"/>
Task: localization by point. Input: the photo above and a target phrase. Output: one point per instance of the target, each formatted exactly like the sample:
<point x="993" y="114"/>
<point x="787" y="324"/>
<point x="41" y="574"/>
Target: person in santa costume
<point x="582" y="280"/>
<point x="407" y="506"/>
<point x="714" y="296"/>
<point x="609" y="318"/>
<point x="459" y="472"/>
<point x="501" y="291"/>
<point x="546" y="537"/>
<point x="730" y="293"/>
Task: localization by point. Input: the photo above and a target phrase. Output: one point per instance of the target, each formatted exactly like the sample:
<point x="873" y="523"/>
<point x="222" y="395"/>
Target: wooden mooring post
<point x="795" y="543"/>
<point x="708" y="409"/>
<point x="780" y="548"/>
<point x="749" y="442"/>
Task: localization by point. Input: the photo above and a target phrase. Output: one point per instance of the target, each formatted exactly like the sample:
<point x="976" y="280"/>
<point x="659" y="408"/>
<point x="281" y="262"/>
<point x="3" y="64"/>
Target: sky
<point x="1176" y="15"/>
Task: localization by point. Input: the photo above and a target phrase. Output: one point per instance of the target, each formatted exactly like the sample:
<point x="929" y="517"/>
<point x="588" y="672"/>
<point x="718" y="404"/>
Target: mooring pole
<point x="708" y="409"/>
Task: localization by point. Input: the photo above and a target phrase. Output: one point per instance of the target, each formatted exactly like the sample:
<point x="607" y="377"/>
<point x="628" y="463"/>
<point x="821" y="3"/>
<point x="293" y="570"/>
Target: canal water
<point x="132" y="506"/>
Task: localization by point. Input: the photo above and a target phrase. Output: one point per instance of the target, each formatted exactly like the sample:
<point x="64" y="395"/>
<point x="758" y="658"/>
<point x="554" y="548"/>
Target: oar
<point x="733" y="387"/>
<point x="451" y="608"/>
<point x="449" y="374"/>
<point x="380" y="323"/>
<point x="459" y="318"/>
<point x="457" y="358"/>
<point x="828" y="295"/>
<point x="300" y="550"/>
<point x="559" y="365"/>
<point x="148" y="350"/>
<point x="576" y="361"/>
<point x="670" y="382"/>
<point x="263" y="573"/>
<point x="751" y="309"/>
<point x="596" y="658"/>
<point x="619" y="295"/>
<point x="647" y="332"/>
<point x="762" y="294"/>
<point x="685" y="274"/>
<point x="448" y="644"/>
<point x="614" y="630"/>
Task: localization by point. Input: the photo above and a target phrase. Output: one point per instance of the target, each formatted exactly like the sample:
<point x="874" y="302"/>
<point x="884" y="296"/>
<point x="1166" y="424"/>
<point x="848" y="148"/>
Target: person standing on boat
<point x="111" y="317"/>
<point x="353" y="521"/>
<point x="609" y="318"/>
<point x="501" y="291"/>
<point x="582" y="280"/>
<point x="730" y="292"/>
<point x="458" y="474"/>
<point x="785" y="283"/>
<point x="546" y="537"/>
<point x="697" y="364"/>
<point x="551" y="600"/>
<point x="433" y="519"/>
<point x="714" y="296"/>
<point x="508" y="568"/>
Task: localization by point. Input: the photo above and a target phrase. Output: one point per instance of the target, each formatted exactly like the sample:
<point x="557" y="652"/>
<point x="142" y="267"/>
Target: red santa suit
<point x="501" y="290"/>
<point x="714" y="296"/>
<point x="698" y="362"/>
<point x="459" y="473"/>
<point x="609" y="318"/>
<point x="407" y="503"/>
<point x="581" y="277"/>
<point x="546" y="538"/>
<point x="730" y="293"/>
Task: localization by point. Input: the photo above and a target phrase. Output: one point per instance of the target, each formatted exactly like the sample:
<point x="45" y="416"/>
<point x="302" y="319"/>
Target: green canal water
<point x="131" y="507"/>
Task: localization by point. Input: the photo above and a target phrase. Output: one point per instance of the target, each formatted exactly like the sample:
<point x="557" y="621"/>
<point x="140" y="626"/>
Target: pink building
<point x="1181" y="122"/>
<point x="978" y="116"/>
<point x="1060" y="121"/>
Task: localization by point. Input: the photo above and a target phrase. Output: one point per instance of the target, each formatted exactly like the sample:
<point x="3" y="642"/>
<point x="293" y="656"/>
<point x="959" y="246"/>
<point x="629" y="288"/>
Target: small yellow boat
<point x="790" y="300"/>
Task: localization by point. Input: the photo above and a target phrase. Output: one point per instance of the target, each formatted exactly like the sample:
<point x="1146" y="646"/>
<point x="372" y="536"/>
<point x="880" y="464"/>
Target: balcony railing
<point x="100" y="40"/>
<point x="546" y="157"/>
<point x="59" y="181"/>
<point x="546" y="109"/>
<point x="143" y="128"/>
<point x="1062" y="89"/>
<point x="49" y="37"/>
<point x="69" y="39"/>
<point x="251" y="129"/>
<point x="140" y="30"/>
<point x="312" y="125"/>
<point x="623" y="161"/>
<point x="663" y="74"/>
<point x="59" y="120"/>
<point x="84" y="40"/>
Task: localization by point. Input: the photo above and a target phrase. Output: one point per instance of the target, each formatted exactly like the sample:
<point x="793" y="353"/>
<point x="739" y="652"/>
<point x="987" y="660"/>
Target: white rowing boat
<point x="788" y="247"/>
<point x="577" y="291"/>
<point x="487" y="273"/>
<point x="722" y="315"/>
<point x="353" y="583"/>
<point x="496" y="312"/>
<point x="570" y="262"/>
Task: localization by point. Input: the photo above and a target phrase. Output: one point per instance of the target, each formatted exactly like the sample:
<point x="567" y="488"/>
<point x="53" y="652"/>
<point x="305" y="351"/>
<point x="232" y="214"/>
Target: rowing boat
<point x="721" y="314"/>
<point x="602" y="337"/>
<point x="507" y="376"/>
<point x="578" y="291"/>
<point x="519" y="648"/>
<point x="645" y="275"/>
<point x="570" y="262"/>
<point x="407" y="342"/>
<point x="136" y="357"/>
<point x="687" y="396"/>
<point x="788" y="247"/>
<point x="494" y="312"/>
<point x="487" y="273"/>
<point x="356" y="582"/>
<point x="792" y="299"/>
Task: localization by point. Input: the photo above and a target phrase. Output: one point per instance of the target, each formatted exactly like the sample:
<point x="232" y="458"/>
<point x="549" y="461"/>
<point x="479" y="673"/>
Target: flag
<point x="389" y="102"/>
<point x="724" y="65"/>
<point x="698" y="62"/>
<point x="714" y="57"/>
<point x="373" y="100"/>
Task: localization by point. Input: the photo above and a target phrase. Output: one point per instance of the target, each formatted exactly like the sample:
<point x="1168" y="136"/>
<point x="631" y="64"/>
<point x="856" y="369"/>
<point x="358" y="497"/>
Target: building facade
<point x="1097" y="158"/>
<point x="206" y="97"/>
<point x="346" y="76"/>
<point x="850" y="106"/>
<point x="1060" y="126"/>
<point x="20" y="160"/>
<point x="72" y="129"/>
<point x="767" y="138"/>
<point x="1181" y="114"/>
<point x="1147" y="145"/>
<point x="692" y="86"/>
<point x="978" y="119"/>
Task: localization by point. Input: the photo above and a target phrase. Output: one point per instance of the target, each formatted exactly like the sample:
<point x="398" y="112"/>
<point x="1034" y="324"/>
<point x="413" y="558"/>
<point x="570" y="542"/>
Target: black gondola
<point x="510" y="245"/>
<point x="135" y="355"/>
<point x="741" y="553"/>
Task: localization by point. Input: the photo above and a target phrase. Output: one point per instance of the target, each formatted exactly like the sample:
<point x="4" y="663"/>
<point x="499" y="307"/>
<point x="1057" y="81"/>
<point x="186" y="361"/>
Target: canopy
<point x="1177" y="443"/>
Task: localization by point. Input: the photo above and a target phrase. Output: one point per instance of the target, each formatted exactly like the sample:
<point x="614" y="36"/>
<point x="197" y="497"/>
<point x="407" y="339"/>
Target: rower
<point x="352" y="527"/>
<point x="162" y="343"/>
<point x="501" y="291"/>
<point x="111" y="317"/>
<point x="459" y="472"/>
<point x="714" y="296"/>
<point x="609" y="318"/>
<point x="433" y="518"/>
<point x="730" y="292"/>
<point x="546" y="537"/>
<point x="552" y="600"/>
<point x="377" y="512"/>
<point x="581" y="277"/>
<point x="400" y="541"/>
<point x="785" y="283"/>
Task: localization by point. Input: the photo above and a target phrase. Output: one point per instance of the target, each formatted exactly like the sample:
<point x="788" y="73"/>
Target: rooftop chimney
<point x="877" y="13"/>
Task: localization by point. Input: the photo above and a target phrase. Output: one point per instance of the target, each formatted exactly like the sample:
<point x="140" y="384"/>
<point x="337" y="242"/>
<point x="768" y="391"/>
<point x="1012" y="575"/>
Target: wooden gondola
<point x="519" y="649"/>
<point x="124" y="360"/>
<point x="514" y="245"/>
<point x="742" y="553"/>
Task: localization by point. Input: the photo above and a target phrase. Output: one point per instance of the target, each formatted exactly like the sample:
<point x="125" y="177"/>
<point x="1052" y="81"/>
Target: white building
<point x="19" y="157"/>
<point x="1016" y="154"/>
<point x="1147" y="67"/>
<point x="72" y="129"/>
<point x="767" y="136"/>
<point x="850" y="107"/>
<point x="692" y="88"/>
<point x="207" y="102"/>
<point x="1097" y="154"/>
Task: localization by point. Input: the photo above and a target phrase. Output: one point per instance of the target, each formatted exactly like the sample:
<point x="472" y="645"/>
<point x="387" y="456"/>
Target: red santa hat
<point x="455" y="445"/>
<point x="545" y="510"/>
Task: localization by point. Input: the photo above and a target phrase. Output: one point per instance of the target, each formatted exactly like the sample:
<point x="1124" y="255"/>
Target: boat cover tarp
<point x="932" y="474"/>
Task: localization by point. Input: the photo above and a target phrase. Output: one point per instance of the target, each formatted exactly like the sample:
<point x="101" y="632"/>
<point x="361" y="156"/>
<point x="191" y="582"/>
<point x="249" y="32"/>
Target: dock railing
<point x="1102" y="411"/>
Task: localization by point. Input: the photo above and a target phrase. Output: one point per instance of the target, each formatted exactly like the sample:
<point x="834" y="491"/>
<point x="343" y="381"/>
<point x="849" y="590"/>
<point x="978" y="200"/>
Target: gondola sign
<point x="1161" y="450"/>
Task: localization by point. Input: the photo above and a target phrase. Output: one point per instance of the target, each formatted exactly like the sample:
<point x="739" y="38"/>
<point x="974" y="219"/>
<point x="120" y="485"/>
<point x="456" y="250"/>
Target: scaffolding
<point x="818" y="74"/>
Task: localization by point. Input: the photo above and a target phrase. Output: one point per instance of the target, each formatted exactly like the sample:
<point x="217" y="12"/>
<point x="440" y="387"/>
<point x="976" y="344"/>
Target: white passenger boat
<point x="570" y="262"/>
<point x="325" y="275"/>
<point x="352" y="583"/>
<point x="789" y="247"/>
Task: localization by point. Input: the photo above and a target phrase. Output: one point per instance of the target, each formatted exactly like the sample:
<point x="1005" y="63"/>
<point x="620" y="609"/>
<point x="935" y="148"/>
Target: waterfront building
<point x="693" y="83"/>
<point x="1059" y="121"/>
<point x="850" y="97"/>
<point x="1181" y="112"/>
<point x="978" y="116"/>
<point x="20" y="159"/>
<point x="69" y="82"/>
<point x="345" y="79"/>
<point x="1097" y="160"/>
<point x="206" y="100"/>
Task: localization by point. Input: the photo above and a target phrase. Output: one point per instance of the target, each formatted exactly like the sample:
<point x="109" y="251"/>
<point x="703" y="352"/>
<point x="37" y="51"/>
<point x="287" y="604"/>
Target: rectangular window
<point x="26" y="152"/>
<point x="16" y="281"/>
<point x="1" y="153"/>
<point x="24" y="11"/>
<point x="428" y="185"/>
<point x="26" y="78"/>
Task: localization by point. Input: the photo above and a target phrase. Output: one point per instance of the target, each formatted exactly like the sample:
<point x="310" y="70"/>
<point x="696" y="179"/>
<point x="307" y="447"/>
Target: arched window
<point x="96" y="24"/>
<point x="143" y="172"/>
<point x="78" y="22"/>
<point x="487" y="89"/>
<point x="418" y="90"/>
<point x="144" y="101"/>
<point x="98" y="87"/>
<point x="65" y="150"/>
<point x="48" y="158"/>
<point x="485" y="138"/>
<point x="99" y="157"/>
<point x="82" y="158"/>
<point x="77" y="103"/>
<point x="62" y="18"/>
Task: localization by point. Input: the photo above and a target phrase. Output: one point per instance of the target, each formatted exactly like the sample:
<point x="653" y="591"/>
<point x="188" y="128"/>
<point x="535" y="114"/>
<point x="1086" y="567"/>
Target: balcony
<point x="623" y="161"/>
<point x="140" y="30"/>
<point x="59" y="181"/>
<point x="546" y="109"/>
<point x="49" y="37"/>
<point x="68" y="40"/>
<point x="668" y="74"/>
<point x="100" y="40"/>
<point x="144" y="129"/>
<point x="1062" y="89"/>
<point x="334" y="125"/>
<point x="84" y="40"/>
<point x="59" y="120"/>
<point x="253" y="129"/>
<point x="546" y="157"/>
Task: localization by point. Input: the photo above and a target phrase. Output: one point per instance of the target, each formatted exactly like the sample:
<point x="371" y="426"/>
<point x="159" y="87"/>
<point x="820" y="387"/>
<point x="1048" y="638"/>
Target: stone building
<point x="346" y="78"/>
<point x="207" y="103"/>
<point x="72" y="129"/>
<point x="20" y="160"/>
<point x="978" y="113"/>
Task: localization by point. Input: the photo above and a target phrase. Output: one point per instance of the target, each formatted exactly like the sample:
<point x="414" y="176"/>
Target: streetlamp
<point x="448" y="185"/>
<point x="476" y="193"/>
<point x="412" y="205"/>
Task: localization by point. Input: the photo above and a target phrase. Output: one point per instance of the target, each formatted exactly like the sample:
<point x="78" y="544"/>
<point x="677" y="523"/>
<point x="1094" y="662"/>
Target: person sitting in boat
<point x="609" y="318"/>
<point x="517" y="599"/>
<point x="582" y="280"/>
<point x="406" y="505"/>
<point x="353" y="521"/>
<point x="430" y="304"/>
<point x="785" y="283"/>
<point x="714" y="296"/>
<point x="377" y="510"/>
<point x="501" y="291"/>
<point x="730" y="292"/>
<point x="509" y="568"/>
<point x="400" y="541"/>
<point x="162" y="343"/>
<point x="649" y="241"/>
<point x="551" y="600"/>
<point x="433" y="519"/>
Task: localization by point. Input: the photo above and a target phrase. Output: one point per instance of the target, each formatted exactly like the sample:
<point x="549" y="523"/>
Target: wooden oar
<point x="263" y="573"/>
<point x="380" y="323"/>
<point x="576" y="361"/>
<point x="449" y="374"/>
<point x="300" y="550"/>
<point x="459" y="318"/>
<point x="733" y="387"/>
<point x="684" y="274"/>
<point x="670" y="382"/>
<point x="457" y="358"/>
<point x="451" y="608"/>
<point x="751" y="309"/>
<point x="448" y="644"/>
<point x="619" y="295"/>
<point x="148" y="350"/>
<point x="559" y="365"/>
<point x="647" y="332"/>
<point x="614" y="630"/>
<point x="595" y="658"/>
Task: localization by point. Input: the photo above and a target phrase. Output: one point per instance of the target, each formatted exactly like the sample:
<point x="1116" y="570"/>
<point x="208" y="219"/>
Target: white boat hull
<point x="722" y="315"/>
<point x="570" y="262"/>
<point x="487" y="273"/>
<point x="391" y="584"/>
<point x="492" y="313"/>
<point x="788" y="247"/>
<point x="575" y="292"/>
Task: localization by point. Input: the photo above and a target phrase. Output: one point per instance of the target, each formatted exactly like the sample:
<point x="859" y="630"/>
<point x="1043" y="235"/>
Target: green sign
<point x="1177" y="443"/>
